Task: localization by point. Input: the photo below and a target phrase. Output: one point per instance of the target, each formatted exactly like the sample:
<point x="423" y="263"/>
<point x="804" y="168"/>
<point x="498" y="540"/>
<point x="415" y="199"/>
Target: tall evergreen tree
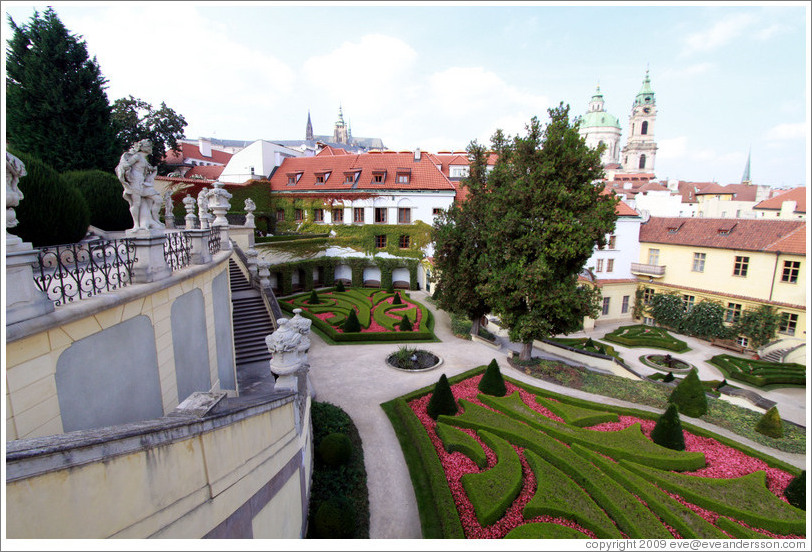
<point x="459" y="244"/>
<point x="545" y="215"/>
<point x="57" y="108"/>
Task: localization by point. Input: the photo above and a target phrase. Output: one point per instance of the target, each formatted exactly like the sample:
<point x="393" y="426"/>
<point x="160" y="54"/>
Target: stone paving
<point x="357" y="379"/>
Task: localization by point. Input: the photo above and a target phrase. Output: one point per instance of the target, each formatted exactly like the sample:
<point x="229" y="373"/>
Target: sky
<point x="728" y="78"/>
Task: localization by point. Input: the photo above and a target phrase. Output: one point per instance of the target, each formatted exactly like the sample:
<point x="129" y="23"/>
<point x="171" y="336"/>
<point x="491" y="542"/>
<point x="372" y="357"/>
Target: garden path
<point x="357" y="379"/>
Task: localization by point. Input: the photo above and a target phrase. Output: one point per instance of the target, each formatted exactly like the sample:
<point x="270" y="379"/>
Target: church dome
<point x="599" y="119"/>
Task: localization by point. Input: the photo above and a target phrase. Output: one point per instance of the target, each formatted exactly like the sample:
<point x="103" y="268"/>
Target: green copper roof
<point x="599" y="119"/>
<point x="646" y="94"/>
<point x="598" y="97"/>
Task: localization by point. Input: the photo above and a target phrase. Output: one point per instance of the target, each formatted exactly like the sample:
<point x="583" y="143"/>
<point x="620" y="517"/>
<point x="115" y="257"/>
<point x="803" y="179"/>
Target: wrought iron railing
<point x="80" y="270"/>
<point x="178" y="250"/>
<point x="214" y="240"/>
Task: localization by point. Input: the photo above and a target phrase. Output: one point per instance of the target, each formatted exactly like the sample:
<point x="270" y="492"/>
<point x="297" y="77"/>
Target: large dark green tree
<point x="134" y="120"/>
<point x="57" y="108"/>
<point x="545" y="215"/>
<point x="459" y="245"/>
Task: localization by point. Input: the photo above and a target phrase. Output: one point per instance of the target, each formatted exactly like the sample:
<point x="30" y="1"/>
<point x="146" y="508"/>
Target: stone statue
<point x="167" y="204"/>
<point x="189" y="203"/>
<point x="284" y="345"/>
<point x="301" y="325"/>
<point x="15" y="170"/>
<point x="203" y="207"/>
<point x="250" y="207"/>
<point x="138" y="178"/>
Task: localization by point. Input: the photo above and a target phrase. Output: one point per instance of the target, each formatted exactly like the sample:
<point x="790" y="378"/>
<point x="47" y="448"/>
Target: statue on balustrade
<point x="138" y="178"/>
<point x="15" y="170"/>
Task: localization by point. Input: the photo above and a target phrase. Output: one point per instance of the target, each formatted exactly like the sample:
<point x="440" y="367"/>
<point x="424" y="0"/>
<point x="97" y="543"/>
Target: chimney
<point x="417" y="154"/>
<point x="204" y="145"/>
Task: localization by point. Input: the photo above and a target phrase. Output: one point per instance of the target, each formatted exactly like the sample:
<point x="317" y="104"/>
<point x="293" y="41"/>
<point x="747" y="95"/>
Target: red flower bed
<point x="721" y="462"/>
<point x="373" y="325"/>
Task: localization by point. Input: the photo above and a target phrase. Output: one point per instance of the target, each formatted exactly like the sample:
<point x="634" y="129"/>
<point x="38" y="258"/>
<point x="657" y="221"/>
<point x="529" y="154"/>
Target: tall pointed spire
<point x="309" y="129"/>
<point x="746" y="175"/>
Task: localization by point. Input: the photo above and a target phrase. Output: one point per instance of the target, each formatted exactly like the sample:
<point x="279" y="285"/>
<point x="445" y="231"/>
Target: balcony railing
<point x="178" y="250"/>
<point x="656" y="271"/>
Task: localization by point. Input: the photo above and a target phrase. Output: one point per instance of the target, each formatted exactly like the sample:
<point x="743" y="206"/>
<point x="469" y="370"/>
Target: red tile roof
<point x="211" y="172"/>
<point x="423" y="174"/>
<point x="798" y="195"/>
<point x="192" y="151"/>
<point x="788" y="236"/>
<point x="330" y="150"/>
<point x="713" y="188"/>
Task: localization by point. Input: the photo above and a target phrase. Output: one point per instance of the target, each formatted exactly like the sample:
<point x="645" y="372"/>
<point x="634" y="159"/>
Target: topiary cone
<point x="351" y="324"/>
<point x="668" y="431"/>
<point x="770" y="424"/>
<point x="442" y="400"/>
<point x="340" y="286"/>
<point x="405" y="324"/>
<point x="689" y="396"/>
<point x="492" y="382"/>
<point x="314" y="298"/>
<point x="796" y="491"/>
<point x="396" y="300"/>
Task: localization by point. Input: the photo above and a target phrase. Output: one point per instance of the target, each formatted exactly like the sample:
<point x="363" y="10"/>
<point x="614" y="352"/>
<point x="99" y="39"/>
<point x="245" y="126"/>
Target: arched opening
<point x="642" y="164"/>
<point x="644" y="128"/>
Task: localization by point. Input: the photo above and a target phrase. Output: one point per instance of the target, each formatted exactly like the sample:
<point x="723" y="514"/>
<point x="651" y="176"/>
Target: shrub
<point x="314" y="298"/>
<point x="104" y="196"/>
<point x="689" y="396"/>
<point x="668" y="431"/>
<point x="796" y="491"/>
<point x="397" y="300"/>
<point x="405" y="324"/>
<point x="351" y="324"/>
<point x="770" y="424"/>
<point x="442" y="400"/>
<point x="335" y="519"/>
<point x="706" y="319"/>
<point x="492" y="382"/>
<point x="340" y="287"/>
<point x="335" y="449"/>
<point x="589" y="343"/>
<point x="53" y="211"/>
<point x="667" y="309"/>
<point x="669" y="377"/>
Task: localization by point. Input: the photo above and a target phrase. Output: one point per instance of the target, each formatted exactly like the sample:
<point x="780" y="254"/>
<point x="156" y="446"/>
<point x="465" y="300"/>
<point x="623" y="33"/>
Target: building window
<point x="611" y="244"/>
<point x="358" y="215"/>
<point x="380" y="241"/>
<point x="599" y="265"/>
<point x="380" y="215"/>
<point x="403" y="242"/>
<point x="437" y="211"/>
<point x="605" y="310"/>
<point x="297" y="215"/>
<point x="734" y="311"/>
<point x="404" y="215"/>
<point x="642" y="164"/>
<point x="349" y="178"/>
<point x="699" y="262"/>
<point x="791" y="269"/>
<point x="291" y="180"/>
<point x="743" y="341"/>
<point x="740" y="266"/>
<point x="318" y="215"/>
<point x="319" y="179"/>
<point x="403" y="179"/>
<point x="378" y="177"/>
<point x="687" y="302"/>
<point x="787" y="323"/>
<point x="338" y="215"/>
<point x="648" y="321"/>
<point x="610" y="265"/>
<point x="653" y="256"/>
<point x="280" y="215"/>
<point x="624" y="306"/>
<point x="648" y="293"/>
<point x="644" y="129"/>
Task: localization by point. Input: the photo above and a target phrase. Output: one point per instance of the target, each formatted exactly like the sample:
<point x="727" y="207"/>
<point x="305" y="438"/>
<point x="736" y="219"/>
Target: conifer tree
<point x="668" y="431"/>
<point x="492" y="382"/>
<point x="340" y="286"/>
<point x="796" y="491"/>
<point x="442" y="400"/>
<point x="57" y="108"/>
<point x="396" y="300"/>
<point x="405" y="324"/>
<point x="351" y="324"/>
<point x="314" y="298"/>
<point x="689" y="396"/>
<point x="770" y="424"/>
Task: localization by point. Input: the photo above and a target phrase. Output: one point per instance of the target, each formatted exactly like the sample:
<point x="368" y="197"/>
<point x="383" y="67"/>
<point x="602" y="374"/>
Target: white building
<point x="258" y="160"/>
<point x="599" y="127"/>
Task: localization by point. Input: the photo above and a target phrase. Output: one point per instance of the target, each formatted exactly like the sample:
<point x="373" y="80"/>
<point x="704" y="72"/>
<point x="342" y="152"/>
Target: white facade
<point x="663" y="203"/>
<point x="421" y="207"/>
<point x="257" y="160"/>
<point x="626" y="251"/>
<point x="599" y="127"/>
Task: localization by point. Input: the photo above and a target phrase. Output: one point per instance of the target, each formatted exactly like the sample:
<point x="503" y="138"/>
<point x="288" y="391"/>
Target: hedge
<point x="455" y="440"/>
<point x="576" y="415"/>
<point x="764" y="373"/>
<point x="738" y="530"/>
<point x="745" y="498"/>
<point x="491" y="492"/>
<point x="635" y="337"/>
<point x="559" y="496"/>
<point x="544" y="531"/>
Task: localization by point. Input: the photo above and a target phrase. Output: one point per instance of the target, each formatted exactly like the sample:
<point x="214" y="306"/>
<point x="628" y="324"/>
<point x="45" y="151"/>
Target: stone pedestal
<point x="169" y="221"/>
<point x="23" y="299"/>
<point x="200" y="247"/>
<point x="264" y="272"/>
<point x="150" y="264"/>
<point x="253" y="269"/>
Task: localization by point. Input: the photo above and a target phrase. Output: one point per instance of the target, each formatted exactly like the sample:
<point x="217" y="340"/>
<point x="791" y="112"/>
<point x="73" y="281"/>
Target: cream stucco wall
<point x="32" y="405"/>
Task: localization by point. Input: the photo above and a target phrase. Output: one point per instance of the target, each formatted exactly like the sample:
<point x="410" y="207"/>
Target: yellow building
<point x="740" y="263"/>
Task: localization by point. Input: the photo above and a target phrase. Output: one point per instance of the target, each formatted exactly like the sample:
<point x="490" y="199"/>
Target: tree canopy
<point x="57" y="108"/>
<point x="537" y="218"/>
<point x="134" y="120"/>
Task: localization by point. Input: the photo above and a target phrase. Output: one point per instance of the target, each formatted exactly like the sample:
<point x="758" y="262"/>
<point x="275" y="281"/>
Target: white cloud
<point x="787" y="131"/>
<point x="767" y="32"/>
<point x="721" y="33"/>
<point x="687" y="71"/>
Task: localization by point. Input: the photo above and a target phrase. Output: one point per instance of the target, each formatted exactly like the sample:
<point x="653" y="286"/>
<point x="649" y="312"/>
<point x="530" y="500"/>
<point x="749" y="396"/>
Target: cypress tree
<point x="796" y="491"/>
<point x="442" y="400"/>
<point x="351" y="324"/>
<point x="770" y="424"/>
<point x="689" y="396"/>
<point x="405" y="324"/>
<point x="340" y="287"/>
<point x="396" y="300"/>
<point x="104" y="196"/>
<point x="492" y="382"/>
<point x="314" y="298"/>
<point x="668" y="431"/>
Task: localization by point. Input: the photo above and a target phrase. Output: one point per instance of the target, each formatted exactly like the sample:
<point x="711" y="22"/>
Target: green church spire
<point x="646" y="94"/>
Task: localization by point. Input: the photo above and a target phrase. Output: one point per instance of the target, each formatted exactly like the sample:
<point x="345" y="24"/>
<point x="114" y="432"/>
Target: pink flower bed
<point x="373" y="325"/>
<point x="721" y="462"/>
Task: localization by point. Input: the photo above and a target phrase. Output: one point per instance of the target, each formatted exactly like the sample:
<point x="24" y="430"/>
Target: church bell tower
<point x="641" y="148"/>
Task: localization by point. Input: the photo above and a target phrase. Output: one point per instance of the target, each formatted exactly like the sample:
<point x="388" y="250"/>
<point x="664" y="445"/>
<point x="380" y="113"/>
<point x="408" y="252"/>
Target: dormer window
<point x="403" y="176"/>
<point x="349" y="177"/>
<point x="379" y="176"/>
<point x="321" y="177"/>
<point x="294" y="177"/>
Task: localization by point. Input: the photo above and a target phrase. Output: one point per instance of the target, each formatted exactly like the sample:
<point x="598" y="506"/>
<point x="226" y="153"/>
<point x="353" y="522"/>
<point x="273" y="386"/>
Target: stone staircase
<point x="252" y="324"/>
<point x="776" y="355"/>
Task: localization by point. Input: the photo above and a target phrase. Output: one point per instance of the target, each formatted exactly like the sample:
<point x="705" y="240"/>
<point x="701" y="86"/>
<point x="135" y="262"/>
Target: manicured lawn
<point x="376" y="313"/>
<point x="646" y="336"/>
<point x="546" y="466"/>
<point x="760" y="372"/>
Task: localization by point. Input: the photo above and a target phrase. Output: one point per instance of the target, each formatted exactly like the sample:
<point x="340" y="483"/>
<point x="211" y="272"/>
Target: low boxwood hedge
<point x="646" y="336"/>
<point x="491" y="492"/>
<point x="455" y="440"/>
<point x="544" y="531"/>
<point x="760" y="372"/>
<point x="576" y="415"/>
<point x="738" y="530"/>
